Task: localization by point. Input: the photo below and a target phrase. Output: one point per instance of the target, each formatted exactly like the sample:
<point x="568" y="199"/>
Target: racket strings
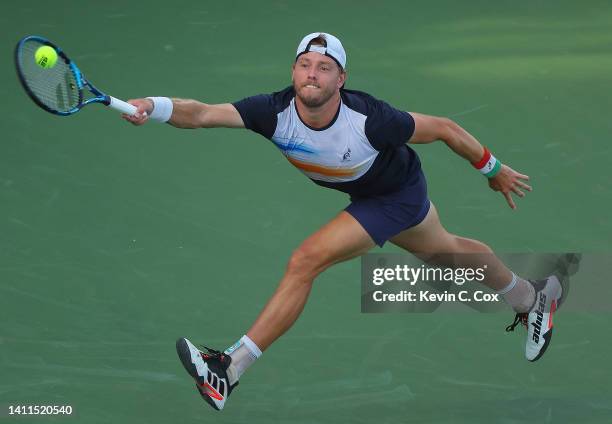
<point x="55" y="87"/>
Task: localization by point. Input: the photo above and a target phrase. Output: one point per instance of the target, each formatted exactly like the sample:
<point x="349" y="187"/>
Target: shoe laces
<point x="222" y="357"/>
<point x="212" y="353"/>
<point x="520" y="318"/>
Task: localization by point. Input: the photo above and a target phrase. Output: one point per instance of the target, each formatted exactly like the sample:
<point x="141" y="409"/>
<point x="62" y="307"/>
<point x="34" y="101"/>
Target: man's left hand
<point x="508" y="180"/>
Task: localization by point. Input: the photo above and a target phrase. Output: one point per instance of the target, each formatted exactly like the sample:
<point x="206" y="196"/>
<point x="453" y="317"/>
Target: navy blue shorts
<point x="383" y="216"/>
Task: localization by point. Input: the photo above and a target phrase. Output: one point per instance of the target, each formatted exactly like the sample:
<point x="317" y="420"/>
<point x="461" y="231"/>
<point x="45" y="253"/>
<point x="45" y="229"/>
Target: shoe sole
<point x="547" y="339"/>
<point x="190" y="356"/>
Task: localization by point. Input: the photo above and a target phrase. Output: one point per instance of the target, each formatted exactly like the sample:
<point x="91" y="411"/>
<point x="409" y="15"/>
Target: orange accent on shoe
<point x="553" y="308"/>
<point x="210" y="391"/>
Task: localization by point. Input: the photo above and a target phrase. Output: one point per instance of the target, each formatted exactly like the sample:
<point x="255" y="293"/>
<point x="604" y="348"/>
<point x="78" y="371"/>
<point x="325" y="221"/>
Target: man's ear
<point x="341" y="79"/>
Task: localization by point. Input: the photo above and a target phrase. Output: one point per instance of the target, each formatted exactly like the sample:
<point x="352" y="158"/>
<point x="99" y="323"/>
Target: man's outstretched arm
<point x="428" y="129"/>
<point x="190" y="114"/>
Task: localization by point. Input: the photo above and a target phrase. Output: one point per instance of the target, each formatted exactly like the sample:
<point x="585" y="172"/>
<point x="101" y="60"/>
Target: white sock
<point x="243" y="353"/>
<point x="519" y="294"/>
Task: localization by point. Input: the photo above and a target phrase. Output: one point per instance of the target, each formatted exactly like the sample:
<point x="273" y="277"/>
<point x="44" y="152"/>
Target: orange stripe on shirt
<point x="323" y="170"/>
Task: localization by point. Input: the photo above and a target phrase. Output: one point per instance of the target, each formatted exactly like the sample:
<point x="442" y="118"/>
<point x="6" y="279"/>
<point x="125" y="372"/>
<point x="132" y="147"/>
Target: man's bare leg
<point x="217" y="373"/>
<point x="430" y="241"/>
<point x="341" y="239"/>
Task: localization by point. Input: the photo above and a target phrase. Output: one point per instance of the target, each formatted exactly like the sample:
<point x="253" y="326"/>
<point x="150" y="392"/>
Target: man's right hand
<point x="145" y="107"/>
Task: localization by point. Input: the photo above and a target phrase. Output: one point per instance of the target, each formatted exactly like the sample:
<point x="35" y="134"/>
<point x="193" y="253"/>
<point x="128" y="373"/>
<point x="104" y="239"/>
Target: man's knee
<point x="456" y="251"/>
<point x="438" y="247"/>
<point x="466" y="245"/>
<point x="307" y="261"/>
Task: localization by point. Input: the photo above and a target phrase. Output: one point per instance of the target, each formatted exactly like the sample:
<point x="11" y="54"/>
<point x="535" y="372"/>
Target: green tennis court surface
<point x="116" y="240"/>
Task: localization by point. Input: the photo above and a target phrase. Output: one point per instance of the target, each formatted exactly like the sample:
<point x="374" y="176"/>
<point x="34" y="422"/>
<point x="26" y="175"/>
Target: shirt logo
<point x="346" y="157"/>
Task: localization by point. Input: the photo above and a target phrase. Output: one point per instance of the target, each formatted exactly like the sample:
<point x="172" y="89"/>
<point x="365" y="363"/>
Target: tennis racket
<point x="59" y="89"/>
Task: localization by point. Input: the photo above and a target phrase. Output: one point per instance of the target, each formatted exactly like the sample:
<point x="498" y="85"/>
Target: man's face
<point x="316" y="78"/>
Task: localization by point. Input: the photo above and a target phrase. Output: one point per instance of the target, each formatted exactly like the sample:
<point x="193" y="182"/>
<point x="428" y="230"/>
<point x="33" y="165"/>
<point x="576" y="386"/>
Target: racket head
<point x="57" y="89"/>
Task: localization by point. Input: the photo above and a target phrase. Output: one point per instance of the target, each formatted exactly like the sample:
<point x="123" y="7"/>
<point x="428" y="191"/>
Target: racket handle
<point x="122" y="106"/>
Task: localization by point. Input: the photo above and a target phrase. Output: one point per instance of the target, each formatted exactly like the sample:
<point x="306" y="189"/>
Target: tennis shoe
<point x="209" y="370"/>
<point x="539" y="320"/>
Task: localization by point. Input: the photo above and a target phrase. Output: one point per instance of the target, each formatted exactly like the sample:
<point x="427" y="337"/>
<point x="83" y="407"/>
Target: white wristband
<point x="162" y="109"/>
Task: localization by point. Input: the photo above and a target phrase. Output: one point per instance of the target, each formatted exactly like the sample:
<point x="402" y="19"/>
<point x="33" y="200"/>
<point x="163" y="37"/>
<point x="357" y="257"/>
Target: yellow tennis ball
<point x="45" y="57"/>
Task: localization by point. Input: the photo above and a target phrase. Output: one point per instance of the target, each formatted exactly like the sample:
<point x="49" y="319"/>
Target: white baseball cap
<point x="333" y="49"/>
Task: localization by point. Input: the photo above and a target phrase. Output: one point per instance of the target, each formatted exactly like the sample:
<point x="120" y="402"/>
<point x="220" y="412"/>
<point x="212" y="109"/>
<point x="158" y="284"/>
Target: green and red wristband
<point x="489" y="165"/>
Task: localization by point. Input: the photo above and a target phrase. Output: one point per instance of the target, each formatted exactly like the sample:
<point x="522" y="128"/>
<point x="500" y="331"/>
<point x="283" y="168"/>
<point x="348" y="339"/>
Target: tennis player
<point x="349" y="141"/>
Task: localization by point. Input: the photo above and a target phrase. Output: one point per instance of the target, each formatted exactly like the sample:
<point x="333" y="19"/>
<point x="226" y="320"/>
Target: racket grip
<point x="122" y="106"/>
